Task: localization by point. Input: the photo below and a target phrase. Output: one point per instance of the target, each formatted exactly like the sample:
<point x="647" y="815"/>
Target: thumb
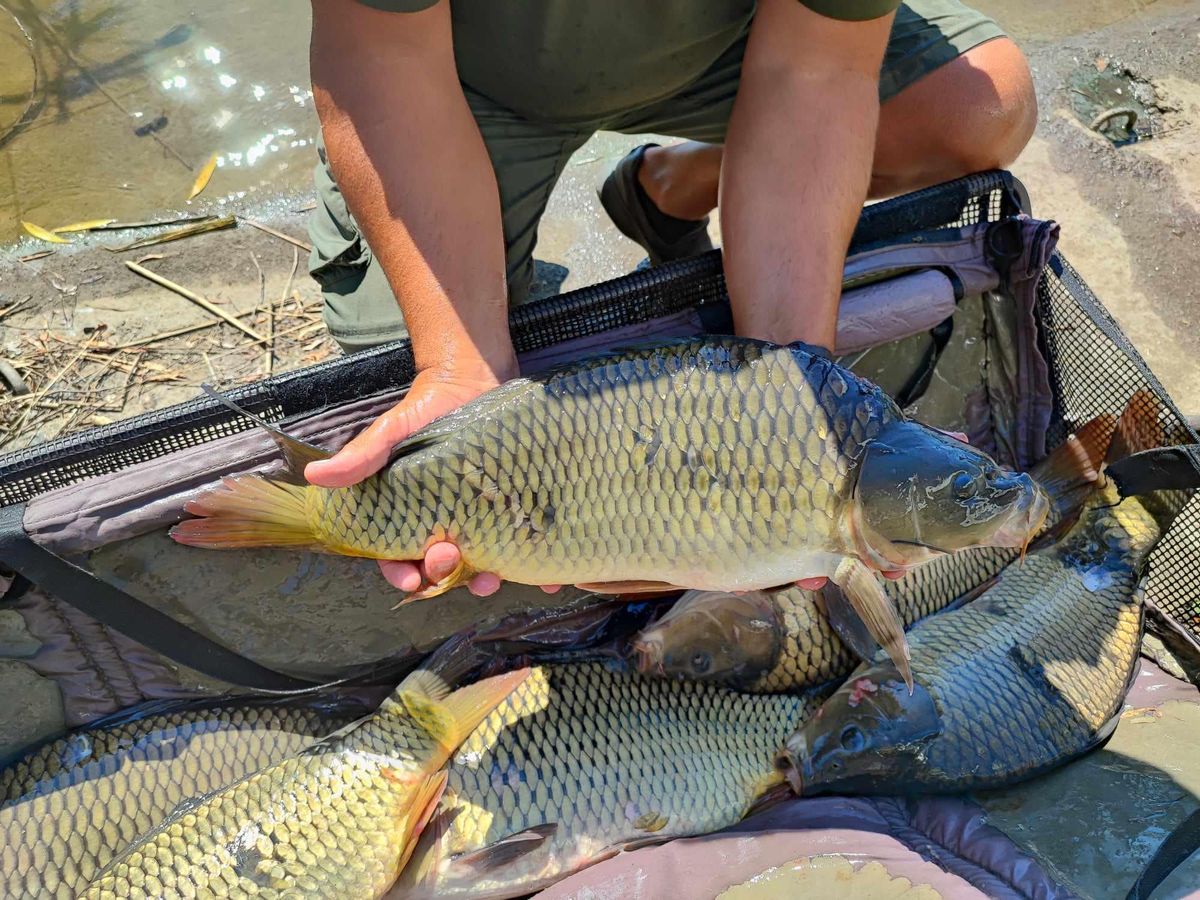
<point x="365" y="455"/>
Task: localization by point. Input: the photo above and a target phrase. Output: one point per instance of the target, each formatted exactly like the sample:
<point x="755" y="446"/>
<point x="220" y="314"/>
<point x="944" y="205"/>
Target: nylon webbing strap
<point x="136" y="620"/>
<point x="1161" y="469"/>
<point x="1181" y="843"/>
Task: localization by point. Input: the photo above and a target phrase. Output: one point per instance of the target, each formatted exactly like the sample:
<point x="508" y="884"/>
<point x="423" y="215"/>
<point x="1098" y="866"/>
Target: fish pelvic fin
<point x="867" y="598"/>
<point x="450" y="720"/>
<point x="846" y="623"/>
<point x="248" y="511"/>
<point x="1070" y="472"/>
<point x="509" y="849"/>
<point x="297" y="453"/>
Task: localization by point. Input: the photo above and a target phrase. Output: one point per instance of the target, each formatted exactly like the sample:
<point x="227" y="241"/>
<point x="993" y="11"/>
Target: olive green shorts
<point x="529" y="156"/>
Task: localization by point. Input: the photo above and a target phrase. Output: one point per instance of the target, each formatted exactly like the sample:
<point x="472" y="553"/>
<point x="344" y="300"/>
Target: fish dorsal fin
<point x="297" y="453"/>
<point x="450" y="720"/>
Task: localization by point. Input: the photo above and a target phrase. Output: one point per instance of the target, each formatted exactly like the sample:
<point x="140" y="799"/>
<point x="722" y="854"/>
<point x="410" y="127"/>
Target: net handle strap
<point x="136" y="620"/>
<point x="1175" y="468"/>
<point x="1181" y="843"/>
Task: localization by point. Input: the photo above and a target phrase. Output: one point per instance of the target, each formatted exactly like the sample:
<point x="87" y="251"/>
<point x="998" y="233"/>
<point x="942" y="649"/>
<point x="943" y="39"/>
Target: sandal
<point x="626" y="204"/>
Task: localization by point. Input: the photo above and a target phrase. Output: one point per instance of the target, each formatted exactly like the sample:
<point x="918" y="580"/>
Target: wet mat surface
<point x="1096" y="822"/>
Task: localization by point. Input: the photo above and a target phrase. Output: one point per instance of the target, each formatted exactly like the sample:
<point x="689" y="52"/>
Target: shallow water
<point x="108" y="110"/>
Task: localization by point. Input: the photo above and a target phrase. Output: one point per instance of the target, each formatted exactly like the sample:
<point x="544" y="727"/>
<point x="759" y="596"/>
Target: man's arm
<point x="797" y="167"/>
<point x="408" y="157"/>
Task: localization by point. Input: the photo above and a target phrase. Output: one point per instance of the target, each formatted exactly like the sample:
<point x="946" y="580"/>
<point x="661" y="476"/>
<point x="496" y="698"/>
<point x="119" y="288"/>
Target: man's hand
<point x="433" y="394"/>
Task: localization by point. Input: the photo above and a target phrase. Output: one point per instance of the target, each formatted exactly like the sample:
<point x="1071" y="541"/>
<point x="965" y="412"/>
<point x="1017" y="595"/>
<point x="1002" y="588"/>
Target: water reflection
<point x="108" y="110"/>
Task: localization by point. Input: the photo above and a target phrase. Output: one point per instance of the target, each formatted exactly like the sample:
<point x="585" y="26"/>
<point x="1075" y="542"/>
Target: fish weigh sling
<point x="336" y="821"/>
<point x="717" y="463"/>
<point x="1028" y="676"/>
<point x="580" y="762"/>
<point x="71" y="806"/>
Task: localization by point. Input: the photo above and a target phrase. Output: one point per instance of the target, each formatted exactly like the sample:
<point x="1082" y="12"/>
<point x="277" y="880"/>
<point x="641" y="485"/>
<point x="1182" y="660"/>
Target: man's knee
<point x="999" y="109"/>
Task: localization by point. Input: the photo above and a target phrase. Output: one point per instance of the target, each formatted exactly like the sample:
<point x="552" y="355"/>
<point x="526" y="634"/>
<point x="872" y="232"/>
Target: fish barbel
<point x="714" y="463"/>
<point x="581" y="762"/>
<point x="336" y="821"/>
<point x="69" y="807"/>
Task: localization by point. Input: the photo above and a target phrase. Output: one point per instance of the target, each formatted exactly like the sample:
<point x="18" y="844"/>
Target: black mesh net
<point x="1095" y="369"/>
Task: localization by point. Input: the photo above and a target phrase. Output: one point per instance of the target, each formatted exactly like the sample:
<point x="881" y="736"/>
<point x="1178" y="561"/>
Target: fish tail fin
<point x="449" y="719"/>
<point x="1139" y="427"/>
<point x="248" y="511"/>
<point x="1070" y="472"/>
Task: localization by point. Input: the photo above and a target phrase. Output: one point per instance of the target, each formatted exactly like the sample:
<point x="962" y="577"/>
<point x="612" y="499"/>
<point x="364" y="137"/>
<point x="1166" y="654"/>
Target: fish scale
<point x="608" y="756"/>
<point x="68" y="808"/>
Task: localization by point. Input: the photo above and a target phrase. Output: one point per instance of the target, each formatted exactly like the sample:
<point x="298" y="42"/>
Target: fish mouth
<point x="1025" y="522"/>
<point x="785" y="764"/>
<point x="648" y="655"/>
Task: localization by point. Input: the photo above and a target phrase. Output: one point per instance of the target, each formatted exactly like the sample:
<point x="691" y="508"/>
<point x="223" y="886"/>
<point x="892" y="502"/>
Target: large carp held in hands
<point x="718" y="463"/>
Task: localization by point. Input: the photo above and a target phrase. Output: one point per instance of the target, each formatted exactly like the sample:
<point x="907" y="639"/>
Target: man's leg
<point x="360" y="309"/>
<point x="947" y="110"/>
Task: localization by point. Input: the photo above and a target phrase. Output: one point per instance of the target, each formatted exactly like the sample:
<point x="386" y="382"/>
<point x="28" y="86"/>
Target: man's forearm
<point x="409" y="159"/>
<point x="796" y="171"/>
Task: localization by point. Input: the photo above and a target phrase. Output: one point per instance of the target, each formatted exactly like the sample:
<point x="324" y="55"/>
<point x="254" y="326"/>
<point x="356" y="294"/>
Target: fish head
<point x="869" y="737"/>
<point x="926" y="492"/>
<point x="712" y="636"/>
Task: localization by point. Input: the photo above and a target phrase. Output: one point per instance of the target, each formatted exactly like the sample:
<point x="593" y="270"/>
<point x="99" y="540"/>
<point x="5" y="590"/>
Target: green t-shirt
<point x="579" y="61"/>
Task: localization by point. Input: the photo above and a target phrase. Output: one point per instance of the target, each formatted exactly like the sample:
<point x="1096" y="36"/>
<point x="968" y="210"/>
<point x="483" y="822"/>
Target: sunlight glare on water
<point x="108" y="110"/>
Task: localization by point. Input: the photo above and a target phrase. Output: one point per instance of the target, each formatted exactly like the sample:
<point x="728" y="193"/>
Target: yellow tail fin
<point x="248" y="511"/>
<point x="449" y="721"/>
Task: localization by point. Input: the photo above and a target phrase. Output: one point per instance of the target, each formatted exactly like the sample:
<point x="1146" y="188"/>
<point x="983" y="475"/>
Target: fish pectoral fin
<point x="508" y="849"/>
<point x="449" y="721"/>
<point x="418" y="814"/>
<point x="297" y="453"/>
<point x="628" y="587"/>
<point x="866" y="596"/>
<point x="846" y="623"/>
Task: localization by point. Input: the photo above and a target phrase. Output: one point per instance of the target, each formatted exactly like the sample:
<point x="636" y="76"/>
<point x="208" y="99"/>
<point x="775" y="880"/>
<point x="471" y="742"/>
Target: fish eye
<point x="701" y="662"/>
<point x="964" y="486"/>
<point x="853" y="739"/>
